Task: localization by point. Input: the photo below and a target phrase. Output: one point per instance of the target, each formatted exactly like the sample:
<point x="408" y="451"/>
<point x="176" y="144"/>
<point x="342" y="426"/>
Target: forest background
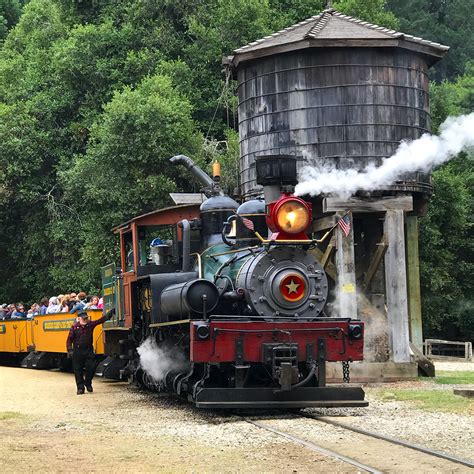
<point x="96" y="95"/>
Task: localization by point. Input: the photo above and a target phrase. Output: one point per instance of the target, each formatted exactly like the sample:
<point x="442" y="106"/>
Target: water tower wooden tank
<point x="335" y="89"/>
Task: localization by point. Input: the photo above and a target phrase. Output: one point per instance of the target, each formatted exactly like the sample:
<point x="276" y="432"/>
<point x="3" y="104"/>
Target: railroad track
<point x="365" y="450"/>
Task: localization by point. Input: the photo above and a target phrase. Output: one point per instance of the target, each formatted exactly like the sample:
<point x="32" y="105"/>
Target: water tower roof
<point x="333" y="29"/>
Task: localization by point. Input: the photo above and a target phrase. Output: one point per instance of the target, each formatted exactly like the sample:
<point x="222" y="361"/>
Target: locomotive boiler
<point x="230" y="300"/>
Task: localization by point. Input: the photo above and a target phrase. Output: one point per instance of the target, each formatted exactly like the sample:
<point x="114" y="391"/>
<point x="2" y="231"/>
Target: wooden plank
<point x="346" y="279"/>
<point x="330" y="268"/>
<point x="413" y="278"/>
<point x="396" y="286"/>
<point x="328" y="251"/>
<point x="334" y="204"/>
<point x="375" y="262"/>
<point x="323" y="223"/>
<point x="425" y="366"/>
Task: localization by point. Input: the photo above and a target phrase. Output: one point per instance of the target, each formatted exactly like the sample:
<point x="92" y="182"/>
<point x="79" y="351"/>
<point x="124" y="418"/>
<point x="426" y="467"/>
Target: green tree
<point x="373" y="11"/>
<point x="449" y="22"/>
<point x="10" y="11"/>
<point x="124" y="172"/>
<point x="447" y="232"/>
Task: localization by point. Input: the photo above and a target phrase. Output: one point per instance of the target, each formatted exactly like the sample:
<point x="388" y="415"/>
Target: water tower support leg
<point x="346" y="279"/>
<point x="413" y="275"/>
<point x="396" y="285"/>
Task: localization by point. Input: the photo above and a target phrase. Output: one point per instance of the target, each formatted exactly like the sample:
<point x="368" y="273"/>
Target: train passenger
<point x="43" y="305"/>
<point x="10" y="309"/>
<point x="64" y="304"/>
<point x="92" y="303"/>
<point x="80" y="347"/>
<point x="72" y="301"/>
<point x="54" y="305"/>
<point x="19" y="312"/>
<point x="80" y="303"/>
<point x="33" y="311"/>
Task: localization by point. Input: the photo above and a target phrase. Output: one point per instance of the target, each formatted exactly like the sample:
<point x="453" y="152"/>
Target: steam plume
<point x="423" y="154"/>
<point x="157" y="361"/>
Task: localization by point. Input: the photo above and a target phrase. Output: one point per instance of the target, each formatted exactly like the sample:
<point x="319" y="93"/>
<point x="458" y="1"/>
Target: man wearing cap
<point x="80" y="347"/>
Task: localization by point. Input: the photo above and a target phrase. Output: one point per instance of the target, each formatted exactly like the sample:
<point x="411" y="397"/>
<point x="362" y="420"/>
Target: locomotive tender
<point x="237" y="291"/>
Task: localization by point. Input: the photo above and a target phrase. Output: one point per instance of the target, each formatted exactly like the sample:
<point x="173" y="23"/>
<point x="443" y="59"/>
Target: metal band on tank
<point x="340" y="86"/>
<point x="315" y="66"/>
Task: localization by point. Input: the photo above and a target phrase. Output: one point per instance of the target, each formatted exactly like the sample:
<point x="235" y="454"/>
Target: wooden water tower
<point x="335" y="89"/>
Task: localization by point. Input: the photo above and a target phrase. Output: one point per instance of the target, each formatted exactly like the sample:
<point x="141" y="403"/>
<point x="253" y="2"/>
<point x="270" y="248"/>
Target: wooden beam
<point x="346" y="279"/>
<point x="334" y="204"/>
<point x="323" y="223"/>
<point x="396" y="286"/>
<point x="329" y="268"/>
<point x="413" y="278"/>
<point x="375" y="262"/>
<point x="328" y="251"/>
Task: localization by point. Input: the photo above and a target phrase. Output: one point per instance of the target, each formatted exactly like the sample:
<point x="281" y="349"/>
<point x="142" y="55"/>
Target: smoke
<point x="157" y="360"/>
<point x="423" y="154"/>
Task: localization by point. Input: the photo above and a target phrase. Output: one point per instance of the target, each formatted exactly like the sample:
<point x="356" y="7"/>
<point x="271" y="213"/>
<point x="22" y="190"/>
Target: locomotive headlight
<point x="292" y="216"/>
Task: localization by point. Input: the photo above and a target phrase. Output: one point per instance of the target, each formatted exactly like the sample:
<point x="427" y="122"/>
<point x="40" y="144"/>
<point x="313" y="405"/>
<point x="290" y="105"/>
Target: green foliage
<point x="10" y="11"/>
<point x="447" y="252"/>
<point x="124" y="172"/>
<point x="373" y="11"/>
<point x="449" y="22"/>
<point x="447" y="233"/>
<point x="453" y="98"/>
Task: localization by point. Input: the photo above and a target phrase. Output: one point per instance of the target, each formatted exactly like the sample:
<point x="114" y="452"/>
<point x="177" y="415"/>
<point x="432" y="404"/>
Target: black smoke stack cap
<point x="276" y="170"/>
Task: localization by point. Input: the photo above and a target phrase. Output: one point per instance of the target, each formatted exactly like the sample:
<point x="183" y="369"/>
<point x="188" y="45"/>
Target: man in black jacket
<point x="80" y="347"/>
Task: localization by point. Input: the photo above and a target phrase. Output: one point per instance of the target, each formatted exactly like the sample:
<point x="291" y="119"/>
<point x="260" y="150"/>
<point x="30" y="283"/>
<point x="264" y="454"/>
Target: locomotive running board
<point x="325" y="397"/>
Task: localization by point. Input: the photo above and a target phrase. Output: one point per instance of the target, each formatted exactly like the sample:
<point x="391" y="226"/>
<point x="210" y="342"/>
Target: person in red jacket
<point x="80" y="348"/>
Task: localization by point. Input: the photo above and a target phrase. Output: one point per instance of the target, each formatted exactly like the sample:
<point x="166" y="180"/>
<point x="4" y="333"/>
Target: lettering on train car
<point x="3" y="329"/>
<point x="63" y="325"/>
<point x="108" y="291"/>
<point x="108" y="272"/>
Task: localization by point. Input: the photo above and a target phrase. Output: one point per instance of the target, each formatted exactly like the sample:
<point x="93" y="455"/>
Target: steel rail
<point x="389" y="439"/>
<point x="315" y="447"/>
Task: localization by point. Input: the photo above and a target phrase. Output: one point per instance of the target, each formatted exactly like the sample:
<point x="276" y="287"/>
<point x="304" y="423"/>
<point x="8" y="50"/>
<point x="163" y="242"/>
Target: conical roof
<point x="331" y="28"/>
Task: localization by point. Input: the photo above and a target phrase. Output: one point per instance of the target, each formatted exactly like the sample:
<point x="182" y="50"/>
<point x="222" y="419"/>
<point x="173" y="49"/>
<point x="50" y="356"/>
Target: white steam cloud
<point x="157" y="360"/>
<point x="423" y="154"/>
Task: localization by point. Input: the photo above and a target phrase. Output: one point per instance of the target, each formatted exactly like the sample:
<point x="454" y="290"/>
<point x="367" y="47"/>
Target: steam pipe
<point x="195" y="170"/>
<point x="186" y="243"/>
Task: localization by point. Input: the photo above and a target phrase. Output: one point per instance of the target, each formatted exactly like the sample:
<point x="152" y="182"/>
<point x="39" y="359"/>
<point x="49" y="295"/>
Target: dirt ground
<point x="45" y="426"/>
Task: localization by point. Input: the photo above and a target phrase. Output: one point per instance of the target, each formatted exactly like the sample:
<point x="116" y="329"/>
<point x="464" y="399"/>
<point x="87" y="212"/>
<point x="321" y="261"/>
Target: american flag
<point x="248" y="223"/>
<point x="345" y="224"/>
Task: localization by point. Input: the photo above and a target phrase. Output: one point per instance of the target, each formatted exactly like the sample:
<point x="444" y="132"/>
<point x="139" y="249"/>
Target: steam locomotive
<point x="236" y="290"/>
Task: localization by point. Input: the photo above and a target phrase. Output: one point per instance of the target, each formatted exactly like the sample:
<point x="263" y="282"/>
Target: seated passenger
<point x="20" y="312"/>
<point x="3" y="311"/>
<point x="10" y="309"/>
<point x="54" y="306"/>
<point x="72" y="301"/>
<point x="93" y="303"/>
<point x="43" y="305"/>
<point x="33" y="311"/>
<point x="65" y="304"/>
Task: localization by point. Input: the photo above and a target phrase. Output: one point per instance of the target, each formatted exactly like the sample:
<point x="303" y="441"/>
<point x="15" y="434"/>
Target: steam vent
<point x="335" y="89"/>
